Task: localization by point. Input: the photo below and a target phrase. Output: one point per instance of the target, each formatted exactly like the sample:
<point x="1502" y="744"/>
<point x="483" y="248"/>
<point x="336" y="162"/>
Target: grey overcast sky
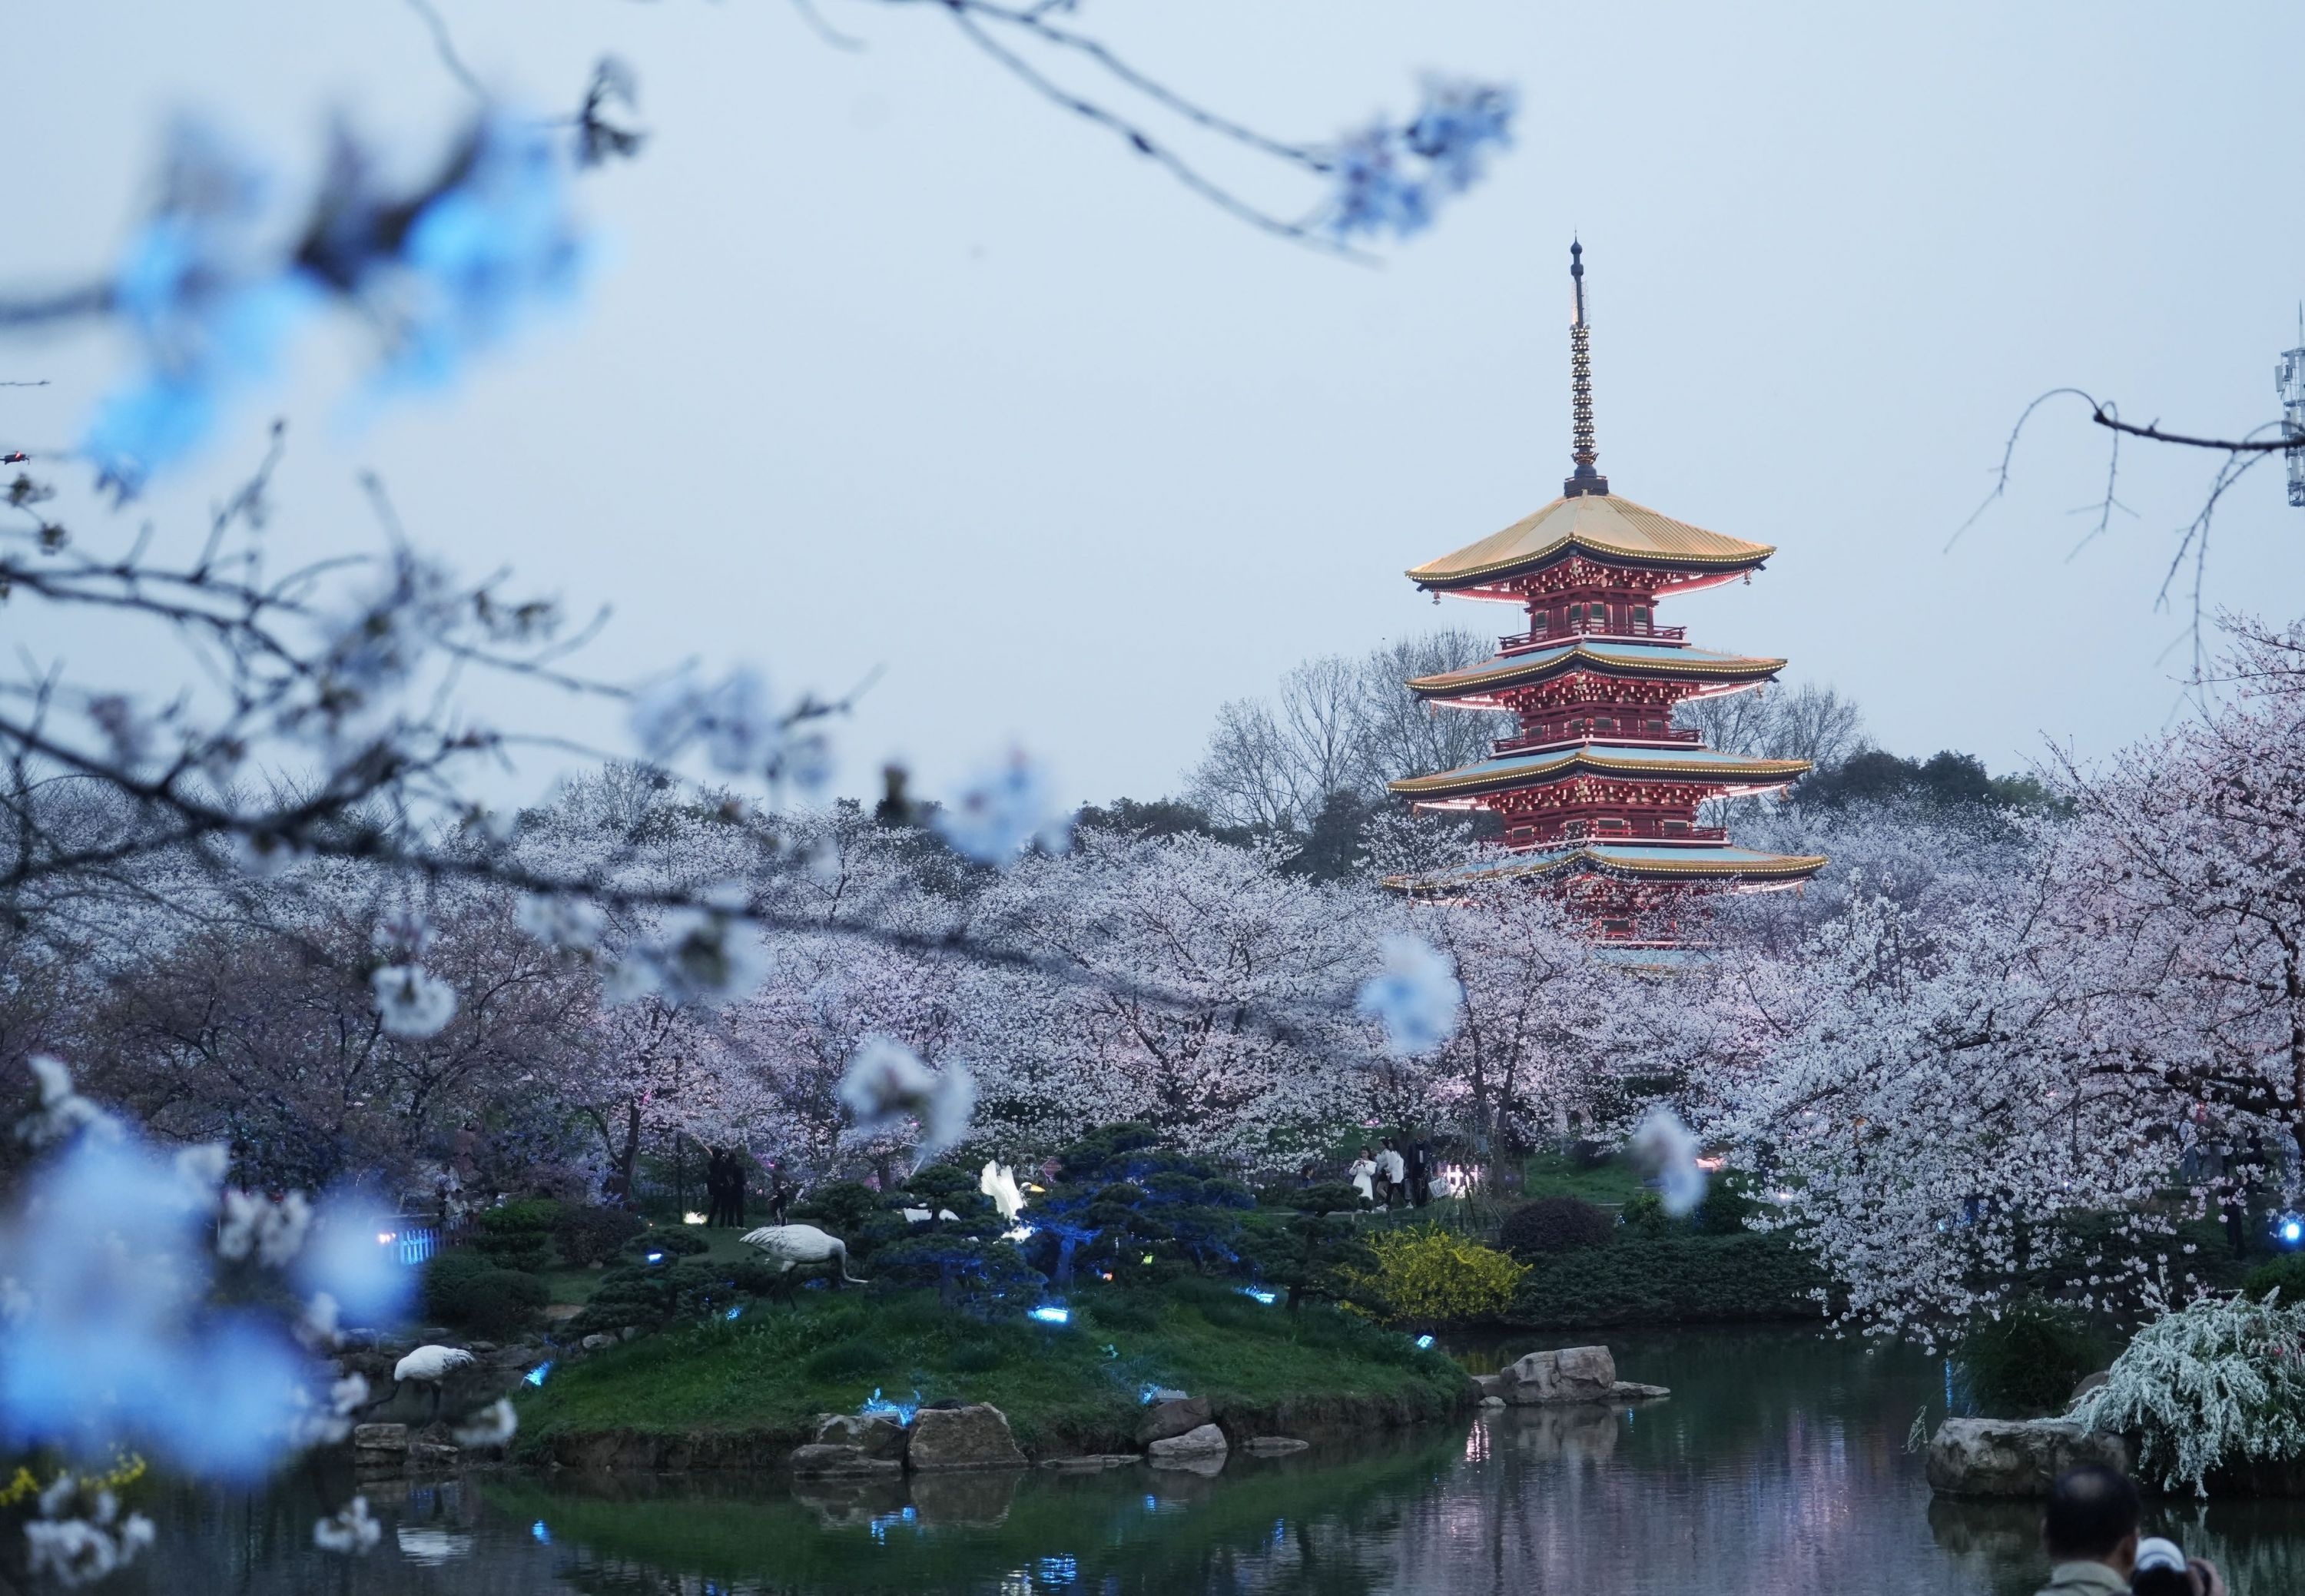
<point x="891" y="365"/>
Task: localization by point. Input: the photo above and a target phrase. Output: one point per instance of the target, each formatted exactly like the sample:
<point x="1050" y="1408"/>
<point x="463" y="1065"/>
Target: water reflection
<point x="1778" y="1465"/>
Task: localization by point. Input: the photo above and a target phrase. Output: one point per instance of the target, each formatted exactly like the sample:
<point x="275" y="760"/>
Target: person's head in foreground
<point x="2091" y="1517"/>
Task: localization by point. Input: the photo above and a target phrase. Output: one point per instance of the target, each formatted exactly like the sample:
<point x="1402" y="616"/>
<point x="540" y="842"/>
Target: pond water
<point x="1779" y="1465"/>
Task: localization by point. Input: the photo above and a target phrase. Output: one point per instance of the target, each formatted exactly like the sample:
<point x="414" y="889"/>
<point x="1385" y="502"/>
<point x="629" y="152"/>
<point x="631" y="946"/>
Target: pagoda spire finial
<point x="1585" y="479"/>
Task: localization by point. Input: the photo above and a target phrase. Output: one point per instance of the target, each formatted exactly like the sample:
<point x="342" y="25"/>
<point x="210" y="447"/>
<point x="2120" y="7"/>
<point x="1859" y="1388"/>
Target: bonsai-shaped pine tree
<point x="1119" y="1196"/>
<point x="1305" y="1254"/>
<point x="965" y="1257"/>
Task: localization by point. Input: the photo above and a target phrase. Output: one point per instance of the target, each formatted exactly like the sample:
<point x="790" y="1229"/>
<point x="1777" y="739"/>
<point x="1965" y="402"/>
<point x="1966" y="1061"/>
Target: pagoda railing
<point x="1630" y="631"/>
<point x="1584" y="831"/>
<point x="1539" y="740"/>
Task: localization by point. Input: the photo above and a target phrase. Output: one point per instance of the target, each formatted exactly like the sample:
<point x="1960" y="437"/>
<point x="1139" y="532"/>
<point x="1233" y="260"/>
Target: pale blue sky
<point x="892" y="365"/>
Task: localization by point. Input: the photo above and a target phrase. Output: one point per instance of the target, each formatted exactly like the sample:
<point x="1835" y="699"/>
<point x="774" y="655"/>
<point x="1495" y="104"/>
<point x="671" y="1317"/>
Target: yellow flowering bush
<point x="1431" y="1276"/>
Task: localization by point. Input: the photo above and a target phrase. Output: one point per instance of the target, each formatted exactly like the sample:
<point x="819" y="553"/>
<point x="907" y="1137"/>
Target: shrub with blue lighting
<point x="1119" y="1196"/>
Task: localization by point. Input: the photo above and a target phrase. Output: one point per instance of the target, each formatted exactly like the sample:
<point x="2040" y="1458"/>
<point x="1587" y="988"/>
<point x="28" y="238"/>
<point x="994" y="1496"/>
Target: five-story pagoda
<point x="1598" y="791"/>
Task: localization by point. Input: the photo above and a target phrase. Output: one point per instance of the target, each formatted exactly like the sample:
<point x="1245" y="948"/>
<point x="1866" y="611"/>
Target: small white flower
<point x="701" y="956"/>
<point x="404" y="935"/>
<point x="411" y="1001"/>
<point x="1667" y="1149"/>
<point x="886" y="1083"/>
<point x="78" y="1551"/>
<point x="1002" y="811"/>
<point x="1418" y="999"/>
<point x="264" y="854"/>
<point x="493" y="1426"/>
<point x="129" y="730"/>
<point x="251" y="1223"/>
<point x="63" y="1113"/>
<point x="806" y="761"/>
<point x="350" y="1532"/>
<point x="201" y="1168"/>
<point x="558" y="920"/>
<point x="740" y="724"/>
<point x="664" y="718"/>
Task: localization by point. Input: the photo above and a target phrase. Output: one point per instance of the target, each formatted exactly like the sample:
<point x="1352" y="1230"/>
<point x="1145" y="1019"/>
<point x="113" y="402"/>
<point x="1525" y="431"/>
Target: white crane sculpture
<point x="787" y="1245"/>
<point x="430" y="1365"/>
<point x="999" y="1183"/>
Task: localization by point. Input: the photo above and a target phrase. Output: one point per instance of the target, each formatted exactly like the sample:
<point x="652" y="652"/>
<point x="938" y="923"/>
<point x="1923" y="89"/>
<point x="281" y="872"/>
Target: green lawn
<point x="778" y="1366"/>
<point x="1555" y="1174"/>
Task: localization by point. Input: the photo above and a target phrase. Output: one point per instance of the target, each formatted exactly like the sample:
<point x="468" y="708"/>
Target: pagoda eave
<point x="1732" y="775"/>
<point x="1735" y="868"/>
<point x="1660" y="662"/>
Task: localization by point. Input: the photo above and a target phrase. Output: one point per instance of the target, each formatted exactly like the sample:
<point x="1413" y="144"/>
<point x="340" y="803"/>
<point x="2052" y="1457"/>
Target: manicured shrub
<point x="1644" y="1211"/>
<point x="1727" y="1203"/>
<point x="2028" y="1359"/>
<point x="1672" y="1277"/>
<point x="671" y="1239"/>
<point x="2285" y="1274"/>
<point x="1428" y="1276"/>
<point x="465" y="1289"/>
<point x="516" y="1235"/>
<point x="587" y="1235"/>
<point x="1553" y="1224"/>
<point x="654" y="1294"/>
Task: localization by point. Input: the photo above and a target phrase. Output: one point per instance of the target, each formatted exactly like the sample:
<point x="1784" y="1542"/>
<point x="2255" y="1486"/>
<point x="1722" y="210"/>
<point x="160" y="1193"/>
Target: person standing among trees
<point x="1420" y="1173"/>
<point x="1392" y="1170"/>
<point x="716" y="1186"/>
<point x="732" y="1189"/>
<point x="1363" y="1174"/>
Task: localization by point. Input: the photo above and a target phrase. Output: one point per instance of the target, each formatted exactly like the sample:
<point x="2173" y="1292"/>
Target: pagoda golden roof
<point x="1605" y="526"/>
<point x="1605" y="658"/>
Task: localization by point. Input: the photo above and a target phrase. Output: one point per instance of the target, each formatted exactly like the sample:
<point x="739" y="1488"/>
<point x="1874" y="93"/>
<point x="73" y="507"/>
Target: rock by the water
<point x="1634" y="1391"/>
<point x="1571" y="1374"/>
<point x="822" y="1460"/>
<point x="432" y="1455"/>
<point x="1271" y="1446"/>
<point x="379" y="1438"/>
<point x="2088" y="1383"/>
<point x="1490" y="1385"/>
<point x="974" y="1436"/>
<point x="1175" y="1416"/>
<point x="1092" y="1463"/>
<point x="874" y="1435"/>
<point x="597" y="1340"/>
<point x="1493" y="1402"/>
<point x="1205" y="1440"/>
<point x="2014" y="1458"/>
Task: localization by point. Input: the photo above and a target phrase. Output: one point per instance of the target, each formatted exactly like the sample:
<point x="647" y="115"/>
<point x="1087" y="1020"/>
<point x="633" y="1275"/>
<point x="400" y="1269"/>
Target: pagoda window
<point x="1612" y="822"/>
<point x="1640" y="618"/>
<point x="1656" y="727"/>
<point x="1619" y="929"/>
<point x="1576" y="615"/>
<point x="1673" y="828"/>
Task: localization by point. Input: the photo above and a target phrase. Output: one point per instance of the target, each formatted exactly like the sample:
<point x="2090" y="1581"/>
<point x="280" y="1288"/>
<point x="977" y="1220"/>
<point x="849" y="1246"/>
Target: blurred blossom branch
<point x="1384" y="178"/>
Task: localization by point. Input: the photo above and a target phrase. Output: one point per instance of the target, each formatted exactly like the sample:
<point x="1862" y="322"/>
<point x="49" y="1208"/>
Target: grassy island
<point x="751" y="1386"/>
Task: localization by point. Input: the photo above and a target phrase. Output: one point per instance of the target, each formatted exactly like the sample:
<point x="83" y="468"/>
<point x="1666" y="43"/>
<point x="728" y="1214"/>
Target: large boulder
<point x="1173" y="1417"/>
<point x="874" y="1435"/>
<point x="1571" y="1374"/>
<point x="2014" y="1457"/>
<point x="1206" y="1440"/>
<point x="379" y="1438"/>
<point x="974" y="1436"/>
<point x="821" y="1460"/>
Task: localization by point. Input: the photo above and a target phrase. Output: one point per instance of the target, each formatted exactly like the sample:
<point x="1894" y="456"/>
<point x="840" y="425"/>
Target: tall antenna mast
<point x="1585" y="479"/>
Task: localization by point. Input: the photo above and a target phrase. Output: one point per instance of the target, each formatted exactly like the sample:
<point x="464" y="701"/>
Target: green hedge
<point x="1668" y="1279"/>
<point x="466" y="1290"/>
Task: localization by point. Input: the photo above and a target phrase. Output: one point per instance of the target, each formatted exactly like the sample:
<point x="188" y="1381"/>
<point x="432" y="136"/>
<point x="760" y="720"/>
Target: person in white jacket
<point x="1393" y="1170"/>
<point x="1363" y="1174"/>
